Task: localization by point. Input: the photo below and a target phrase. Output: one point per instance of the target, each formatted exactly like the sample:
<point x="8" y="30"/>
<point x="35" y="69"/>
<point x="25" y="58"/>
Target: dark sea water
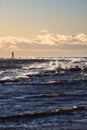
<point x="43" y="94"/>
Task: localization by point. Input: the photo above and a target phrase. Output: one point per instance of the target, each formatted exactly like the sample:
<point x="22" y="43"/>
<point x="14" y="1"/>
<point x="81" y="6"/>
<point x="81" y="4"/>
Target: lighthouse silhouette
<point x="12" y="55"/>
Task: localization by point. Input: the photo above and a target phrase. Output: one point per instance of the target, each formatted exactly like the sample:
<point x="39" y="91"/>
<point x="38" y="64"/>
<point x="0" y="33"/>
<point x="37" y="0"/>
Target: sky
<point x="43" y="28"/>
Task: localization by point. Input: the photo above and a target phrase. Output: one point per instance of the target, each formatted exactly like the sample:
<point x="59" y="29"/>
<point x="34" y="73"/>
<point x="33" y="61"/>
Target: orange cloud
<point x="45" y="40"/>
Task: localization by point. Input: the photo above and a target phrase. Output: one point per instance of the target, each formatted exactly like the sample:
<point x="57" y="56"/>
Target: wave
<point x="68" y="64"/>
<point x="17" y="76"/>
<point x="66" y="70"/>
<point x="12" y="79"/>
<point x="7" y="67"/>
<point x="59" y="110"/>
<point x="53" y="95"/>
<point x="65" y="81"/>
<point x="64" y="94"/>
<point x="26" y="81"/>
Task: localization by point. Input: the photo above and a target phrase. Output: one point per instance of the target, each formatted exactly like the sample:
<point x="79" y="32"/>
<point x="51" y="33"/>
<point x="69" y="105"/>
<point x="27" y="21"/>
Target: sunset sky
<point x="43" y="28"/>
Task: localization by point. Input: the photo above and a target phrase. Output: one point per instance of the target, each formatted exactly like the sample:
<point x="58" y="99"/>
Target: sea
<point x="43" y="93"/>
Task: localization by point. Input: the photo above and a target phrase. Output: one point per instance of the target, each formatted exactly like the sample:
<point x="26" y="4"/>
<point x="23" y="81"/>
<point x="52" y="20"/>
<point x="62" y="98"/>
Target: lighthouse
<point x="12" y="55"/>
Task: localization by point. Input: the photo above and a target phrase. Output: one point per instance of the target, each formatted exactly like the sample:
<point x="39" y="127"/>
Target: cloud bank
<point x="45" y="41"/>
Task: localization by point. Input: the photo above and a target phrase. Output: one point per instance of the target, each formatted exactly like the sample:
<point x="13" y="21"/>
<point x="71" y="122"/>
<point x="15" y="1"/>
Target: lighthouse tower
<point x="12" y="55"/>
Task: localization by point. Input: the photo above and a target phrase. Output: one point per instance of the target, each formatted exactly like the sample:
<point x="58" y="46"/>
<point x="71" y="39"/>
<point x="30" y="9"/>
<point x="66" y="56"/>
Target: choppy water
<point x="43" y="94"/>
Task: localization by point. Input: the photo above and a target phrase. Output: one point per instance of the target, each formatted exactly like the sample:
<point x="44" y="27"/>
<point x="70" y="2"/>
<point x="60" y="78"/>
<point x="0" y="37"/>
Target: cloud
<point x="45" y="41"/>
<point x="56" y="39"/>
<point x="13" y="42"/>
